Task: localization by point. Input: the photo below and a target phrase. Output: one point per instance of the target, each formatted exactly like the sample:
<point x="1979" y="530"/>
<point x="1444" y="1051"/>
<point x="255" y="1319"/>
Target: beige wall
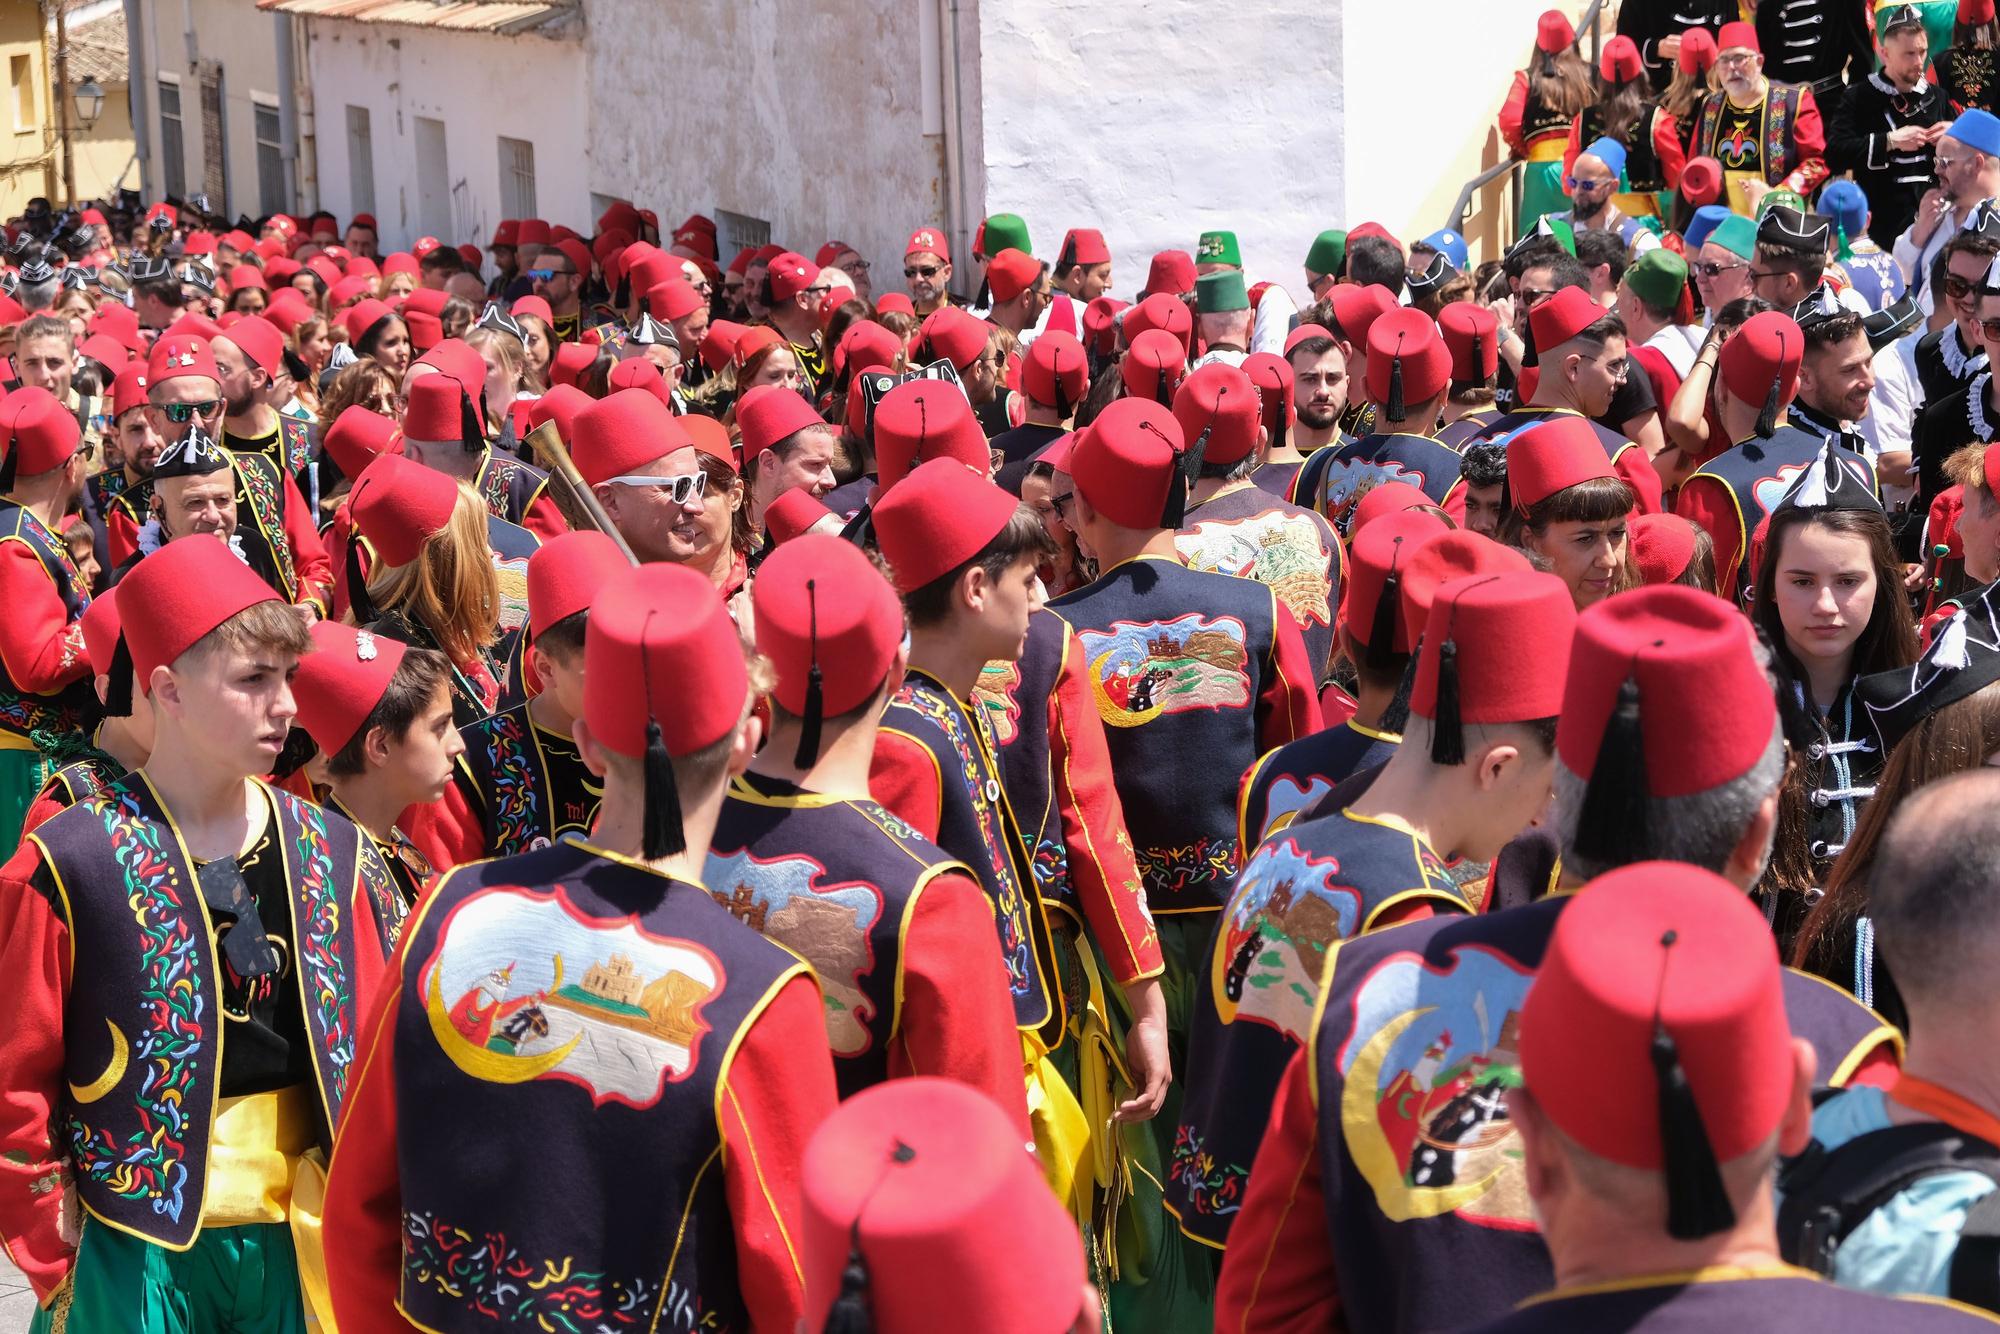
<point x="181" y="39"/>
<point x="24" y="146"/>
<point x="104" y="152"/>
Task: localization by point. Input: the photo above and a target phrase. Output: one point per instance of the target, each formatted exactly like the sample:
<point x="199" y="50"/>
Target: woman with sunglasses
<point x="1962" y="408"/>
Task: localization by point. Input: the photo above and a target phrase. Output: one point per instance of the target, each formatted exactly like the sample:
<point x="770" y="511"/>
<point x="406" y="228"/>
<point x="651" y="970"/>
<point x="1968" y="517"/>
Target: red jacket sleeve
<point x="904" y="778"/>
<point x="542" y="517"/>
<point x="778" y="1088"/>
<point x="1101" y="864"/>
<point x="957" y="1020"/>
<point x="1277" y="1275"/>
<point x="1513" y="112"/>
<point x="363" y="1223"/>
<point x="41" y="648"/>
<point x="315" y="571"/>
<point x="1288" y="708"/>
<point x="34" y="953"/>
<point x="449" y="831"/>
<point x="1636" y="467"/>
<point x="45" y="807"/>
<point x="1809" y="140"/>
<point x="1705" y="501"/>
<point x="1573" y="147"/>
<point x="1667" y="148"/>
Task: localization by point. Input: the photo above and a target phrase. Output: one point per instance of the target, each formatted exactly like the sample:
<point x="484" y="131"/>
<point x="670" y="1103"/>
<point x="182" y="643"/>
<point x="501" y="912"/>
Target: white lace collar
<point x="1956" y="359"/>
<point x="1975" y="407"/>
<point x="1891" y="90"/>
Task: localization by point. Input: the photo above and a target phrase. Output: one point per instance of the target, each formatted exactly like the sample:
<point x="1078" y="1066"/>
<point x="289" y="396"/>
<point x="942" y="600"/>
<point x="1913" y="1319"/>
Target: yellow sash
<point x="1548" y="148"/>
<point x="264" y="1167"/>
<point x="1739" y="198"/>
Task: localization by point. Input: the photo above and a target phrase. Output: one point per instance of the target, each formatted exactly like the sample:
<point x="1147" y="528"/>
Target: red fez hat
<point x="952" y="335"/>
<point x="533" y="231"/>
<point x="938" y="518"/>
<point x="922" y="420"/>
<point x="755" y="339"/>
<point x="1495" y="651"/>
<point x="571" y="360"/>
<point x="560" y="405"/>
<point x="1356" y="307"/>
<point x="895" y="303"/>
<point x="771" y="414"/>
<point x="1127" y="464"/>
<point x="1056" y="371"/>
<point x="1654" y="1034"/>
<point x="349" y="289"/>
<point x="11" y="311"/>
<point x="1554" y="33"/>
<point x="1218" y="410"/>
<point x="358" y="436"/>
<point x="928" y="240"/>
<point x="674" y="299"/>
<point x="37" y="434"/>
<point x="1561" y="316"/>
<point x="663" y="633"/>
<point x="100" y="631"/>
<point x="288" y="309"/>
<point x="1012" y="272"/>
<point x="1443" y="559"/>
<point x="1153" y="366"/>
<point x="284" y="269"/>
<point x="427" y="299"/>
<point x="508" y="233"/>
<point x="1170" y="274"/>
<point x="1620" y="62"/>
<point x="624" y="432"/>
<point x="741" y="264"/>
<point x="1551" y="456"/>
<point x="1472" y="335"/>
<point x="718" y="345"/>
<point x="342" y="680"/>
<point x="1100" y="323"/>
<point x="1760" y="364"/>
<point x="116" y="320"/>
<point x="259" y="340"/>
<point x="910" y="1182"/>
<point x="1302" y="333"/>
<point x="234" y="239"/>
<point x="460" y="360"/>
<point x="1662" y="546"/>
<point x="766" y="253"/>
<point x="1407" y="361"/>
<point x="363" y="316"/>
<point x="1701" y="180"/>
<point x="1272" y="375"/>
<point x="440" y="410"/>
<point x="176" y="355"/>
<point x="1383" y="499"/>
<point x="536" y="306"/>
<point x="1737" y="36"/>
<point x="1975" y="11"/>
<point x="1698" y="50"/>
<point x="173" y="598"/>
<point x="566" y="575"/>
<point x="829" y="252"/>
<point x="245" y="276"/>
<point x="398" y="504"/>
<point x="1377" y="558"/>
<point x="639" y="373"/>
<point x="129" y="390"/>
<point x="106" y="351"/>
<point x="709" y="436"/>
<point x="1168" y="314"/>
<point x="1368" y="229"/>
<point x="793" y="514"/>
<point x="865" y="346"/>
<point x="830" y="624"/>
<point x="401" y="261"/>
<point x="193" y="326"/>
<point x="1085" y="246"/>
<point x="791" y="274"/>
<point x="578" y="255"/>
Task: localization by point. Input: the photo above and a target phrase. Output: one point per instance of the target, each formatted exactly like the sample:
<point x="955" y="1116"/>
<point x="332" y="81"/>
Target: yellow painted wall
<point x="105" y="150"/>
<point x="24" y="139"/>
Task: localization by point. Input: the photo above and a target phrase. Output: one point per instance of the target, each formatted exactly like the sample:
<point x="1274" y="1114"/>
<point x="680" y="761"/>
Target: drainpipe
<point x="288" y="94"/>
<point x="956" y="224"/>
<point x="135" y="89"/>
<point x="308" y="119"/>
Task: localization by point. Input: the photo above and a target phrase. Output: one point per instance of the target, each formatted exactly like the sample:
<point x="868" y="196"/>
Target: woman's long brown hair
<point x="451" y="589"/>
<point x="1565" y="90"/>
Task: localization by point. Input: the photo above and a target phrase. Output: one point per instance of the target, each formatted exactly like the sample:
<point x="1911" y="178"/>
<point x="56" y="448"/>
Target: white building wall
<point x="481" y="87"/>
<point x="181" y="36"/>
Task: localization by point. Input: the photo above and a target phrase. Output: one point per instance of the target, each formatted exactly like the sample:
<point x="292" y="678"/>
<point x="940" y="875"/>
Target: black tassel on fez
<point x="810" y="722"/>
<point x="1612" y="823"/>
<point x="1697" y="1201"/>
<point x="662" y="835"/>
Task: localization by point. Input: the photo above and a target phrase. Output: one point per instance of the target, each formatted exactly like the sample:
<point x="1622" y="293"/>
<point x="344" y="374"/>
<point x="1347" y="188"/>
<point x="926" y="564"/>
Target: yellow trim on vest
<point x="1676" y="1279"/>
<point x="11" y="741"/>
<point x="1862" y="1050"/>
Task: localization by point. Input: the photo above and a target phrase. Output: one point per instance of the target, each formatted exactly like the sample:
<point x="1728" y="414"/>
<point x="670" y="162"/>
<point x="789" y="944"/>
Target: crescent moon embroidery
<point x="1397" y="1199"/>
<point x="1112" y="713"/>
<point x="104" y="1083"/>
<point x="480" y="1062"/>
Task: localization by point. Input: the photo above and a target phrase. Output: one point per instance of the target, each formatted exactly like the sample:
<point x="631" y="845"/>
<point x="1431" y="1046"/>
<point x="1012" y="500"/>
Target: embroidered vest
<point x="82" y="779"/>
<point x="297" y="439"/>
<point x="1308" y="888"/>
<point x="1299" y="773"/>
<point x="1642" y="160"/>
<point x="976" y="824"/>
<point x="1177" y="660"/>
<point x="1777" y="143"/>
<point x="507" y="768"/>
<point x="1360" y="467"/>
<point x="511" y="546"/>
<point x="260" y="523"/>
<point x="54" y="723"/>
<point x="1501" y="428"/>
<point x="1757" y="473"/>
<point x="147" y="977"/>
<point x="1016" y="698"/>
<point x="1414" y="1047"/>
<point x="566" y="1025"/>
<point x="509" y="486"/>
<point x="1290" y="549"/>
<point x="1539" y="119"/>
<point x="1722" y="1299"/>
<point x="835" y="882"/>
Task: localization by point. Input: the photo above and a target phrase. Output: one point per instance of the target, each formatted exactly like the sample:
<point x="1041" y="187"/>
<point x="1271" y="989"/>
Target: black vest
<point x="54" y="723"/>
<point x="1291" y="778"/>
<point x="567" y="1020"/>
<point x="1413" y="1048"/>
<point x="835" y="882"/>
<point x="260" y="523"/>
<point x="1642" y="161"/>
<point x="1359" y="468"/>
<point x="1758" y="472"/>
<point x="509" y="487"/>
<point x="505" y="765"/>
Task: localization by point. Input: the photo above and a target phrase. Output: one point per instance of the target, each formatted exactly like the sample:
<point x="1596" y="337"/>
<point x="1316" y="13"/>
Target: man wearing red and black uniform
<point x="1474" y="771"/>
<point x="1389" y="1158"/>
<point x="896" y="930"/>
<point x="1408" y="374"/>
<point x="1766" y="135"/>
<point x="603" y="1030"/>
<point x="125" y="498"/>
<point x="44" y="671"/>
<point x="450" y="435"/>
<point x="251" y="359"/>
<point x="795" y="292"/>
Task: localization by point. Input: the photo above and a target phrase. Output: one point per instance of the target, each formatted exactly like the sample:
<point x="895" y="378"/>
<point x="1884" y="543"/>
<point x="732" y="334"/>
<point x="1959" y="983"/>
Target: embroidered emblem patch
<point x="1285" y="914"/>
<point x="994" y="692"/>
<point x="1140" y="670"/>
<point x="1284" y="552"/>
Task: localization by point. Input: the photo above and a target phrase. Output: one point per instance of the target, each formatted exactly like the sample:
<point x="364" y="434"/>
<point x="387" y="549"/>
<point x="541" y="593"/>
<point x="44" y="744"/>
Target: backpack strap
<point x="1975" y="1265"/>
<point x="1829" y="1193"/>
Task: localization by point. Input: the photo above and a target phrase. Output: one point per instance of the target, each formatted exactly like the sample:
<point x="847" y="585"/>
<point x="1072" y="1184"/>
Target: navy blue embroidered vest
<point x="54" y="723"/>
<point x="1305" y="890"/>
<point x="260" y="523"/>
<point x="835" y="882"/>
<point x="82" y="778"/>
<point x="1299" y="773"/>
<point x="509" y="486"/>
<point x="1360" y="467"/>
<point x="976" y="825"/>
<point x="1178" y="660"/>
<point x="1414" y="1048"/>
<point x="1757" y="474"/>
<point x="144" y="1010"/>
<point x="511" y="546"/>
<point x="566" y="1025"/>
<point x="1784" y="1299"/>
<point x="1016" y="698"/>
<point x="518" y="796"/>
<point x="1292" y="550"/>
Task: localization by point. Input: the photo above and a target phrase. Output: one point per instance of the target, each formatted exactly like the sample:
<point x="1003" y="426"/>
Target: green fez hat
<point x="1218" y="248"/>
<point x="1329" y="250"/>
<point x="1658" y="277"/>
<point x="1215" y="293"/>
<point x="1736" y="234"/>
<point x="1004" y="231"/>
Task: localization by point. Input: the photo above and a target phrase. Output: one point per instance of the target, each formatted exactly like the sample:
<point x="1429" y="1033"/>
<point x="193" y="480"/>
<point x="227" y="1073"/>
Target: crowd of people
<point x="539" y="787"/>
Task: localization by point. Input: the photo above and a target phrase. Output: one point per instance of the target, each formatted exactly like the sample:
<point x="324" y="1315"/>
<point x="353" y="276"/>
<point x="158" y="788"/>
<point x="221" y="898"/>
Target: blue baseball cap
<point x="1706" y="219"/>
<point x="1847" y="204"/>
<point x="1451" y="245"/>
<point x="1977" y="129"/>
<point x="1610" y="152"/>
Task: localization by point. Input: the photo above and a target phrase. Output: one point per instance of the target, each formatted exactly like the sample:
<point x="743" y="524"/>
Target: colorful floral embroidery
<point x="496" y="486"/>
<point x="380" y="887"/>
<point x="516" y="818"/>
<point x="489" y="1276"/>
<point x="1211" y="1187"/>
<point x="1206" y="861"/>
<point x="297" y="437"/>
<point x="151" y="1164"/>
<point x="323" y="972"/>
<point x="260" y="491"/>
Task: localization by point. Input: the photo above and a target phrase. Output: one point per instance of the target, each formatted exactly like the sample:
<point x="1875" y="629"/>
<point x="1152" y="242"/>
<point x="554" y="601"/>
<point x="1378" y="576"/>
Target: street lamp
<point x="89" y="103"/>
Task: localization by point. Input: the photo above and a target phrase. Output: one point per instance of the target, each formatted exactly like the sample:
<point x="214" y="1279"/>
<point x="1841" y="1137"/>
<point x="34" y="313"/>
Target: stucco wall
<point x="179" y="35"/>
<point x="481" y="87"/>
